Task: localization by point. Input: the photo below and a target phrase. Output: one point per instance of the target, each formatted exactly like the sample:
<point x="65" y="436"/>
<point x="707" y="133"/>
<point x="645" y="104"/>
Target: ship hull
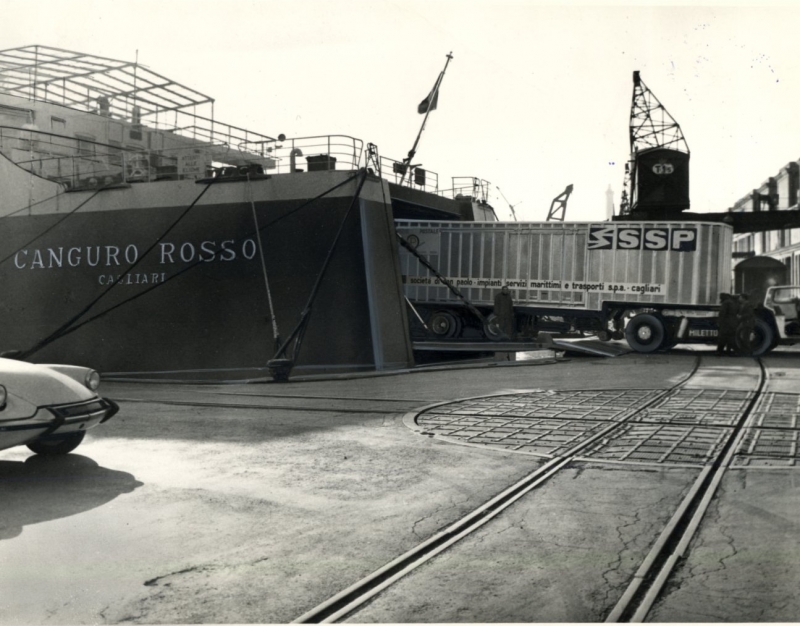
<point x="169" y="280"/>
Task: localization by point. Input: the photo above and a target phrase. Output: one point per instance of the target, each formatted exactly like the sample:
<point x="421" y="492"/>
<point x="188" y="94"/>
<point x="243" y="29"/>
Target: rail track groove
<point x="708" y="422"/>
<point x="671" y="546"/>
<point x="243" y="406"/>
<point x="350" y="599"/>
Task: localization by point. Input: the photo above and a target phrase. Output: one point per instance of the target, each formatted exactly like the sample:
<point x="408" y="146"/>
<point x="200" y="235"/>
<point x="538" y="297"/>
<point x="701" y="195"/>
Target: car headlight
<point x="3" y="397"/>
<point x="92" y="380"/>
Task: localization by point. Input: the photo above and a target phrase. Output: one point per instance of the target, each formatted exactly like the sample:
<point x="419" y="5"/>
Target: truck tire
<point x="760" y="341"/>
<point x="645" y="333"/>
<point x="445" y="324"/>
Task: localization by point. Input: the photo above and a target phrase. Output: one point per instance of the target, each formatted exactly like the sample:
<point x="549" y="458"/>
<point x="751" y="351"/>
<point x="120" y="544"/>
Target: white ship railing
<point x="418" y="178"/>
<point x="309" y="154"/>
<point x="82" y="163"/>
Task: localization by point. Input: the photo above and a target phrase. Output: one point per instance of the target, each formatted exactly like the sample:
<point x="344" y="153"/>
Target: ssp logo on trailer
<point x="603" y="237"/>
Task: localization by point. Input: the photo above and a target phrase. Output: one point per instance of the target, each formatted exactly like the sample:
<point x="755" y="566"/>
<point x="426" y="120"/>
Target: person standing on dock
<point x="727" y="322"/>
<point x="504" y="311"/>
<point x="747" y="325"/>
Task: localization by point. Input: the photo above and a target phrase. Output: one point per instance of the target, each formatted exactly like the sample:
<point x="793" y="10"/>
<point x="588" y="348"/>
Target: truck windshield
<point x="785" y="295"/>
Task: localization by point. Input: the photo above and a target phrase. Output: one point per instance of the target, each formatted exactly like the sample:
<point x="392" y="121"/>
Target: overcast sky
<point x="536" y="97"/>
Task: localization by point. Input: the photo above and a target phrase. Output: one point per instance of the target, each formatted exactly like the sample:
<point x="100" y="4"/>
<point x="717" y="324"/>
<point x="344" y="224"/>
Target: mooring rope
<point x="73" y="328"/>
<point x="300" y="328"/>
<point x="64" y="328"/>
<point x="275" y="334"/>
<point x="442" y="279"/>
<point x="30" y="205"/>
<point x="47" y="230"/>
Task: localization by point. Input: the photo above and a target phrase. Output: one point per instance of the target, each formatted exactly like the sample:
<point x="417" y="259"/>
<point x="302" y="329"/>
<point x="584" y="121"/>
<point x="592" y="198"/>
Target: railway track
<point x="671" y="544"/>
<point x="674" y="540"/>
<point x="282" y="407"/>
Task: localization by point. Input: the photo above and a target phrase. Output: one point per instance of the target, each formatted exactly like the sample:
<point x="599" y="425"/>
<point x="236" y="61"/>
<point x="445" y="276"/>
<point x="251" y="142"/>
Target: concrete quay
<point x="256" y="503"/>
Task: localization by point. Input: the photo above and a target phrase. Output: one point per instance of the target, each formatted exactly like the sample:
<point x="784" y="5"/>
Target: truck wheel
<point x="760" y="341"/>
<point x="645" y="333"/>
<point x="63" y="444"/>
<point x="445" y="324"/>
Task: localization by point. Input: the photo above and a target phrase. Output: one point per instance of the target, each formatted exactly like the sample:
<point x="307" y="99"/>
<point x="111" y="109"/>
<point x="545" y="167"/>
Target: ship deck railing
<point x="468" y="187"/>
<point x="312" y="154"/>
<point x="82" y="163"/>
<point x="204" y="130"/>
<point x="414" y="176"/>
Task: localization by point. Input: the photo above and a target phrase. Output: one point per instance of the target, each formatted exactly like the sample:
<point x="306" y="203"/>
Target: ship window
<point x="58" y="124"/>
<point x="11" y="116"/>
<point x="86" y="145"/>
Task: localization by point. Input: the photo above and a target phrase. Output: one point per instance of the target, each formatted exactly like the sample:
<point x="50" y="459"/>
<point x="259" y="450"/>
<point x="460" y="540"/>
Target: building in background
<point x="777" y="193"/>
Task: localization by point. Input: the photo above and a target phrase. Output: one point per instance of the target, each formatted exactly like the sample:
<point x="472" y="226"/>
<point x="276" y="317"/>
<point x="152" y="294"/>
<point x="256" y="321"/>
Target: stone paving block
<point x="687" y="426"/>
<point x="660" y="444"/>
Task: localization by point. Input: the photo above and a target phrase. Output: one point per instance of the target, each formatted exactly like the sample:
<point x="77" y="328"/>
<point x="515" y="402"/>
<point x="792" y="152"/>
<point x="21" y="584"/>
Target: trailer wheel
<point x="445" y="324"/>
<point x="492" y="330"/>
<point x="645" y="333"/>
<point x="760" y="341"/>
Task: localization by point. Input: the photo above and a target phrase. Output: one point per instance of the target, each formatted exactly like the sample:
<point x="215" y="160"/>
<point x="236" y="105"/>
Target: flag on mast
<point x="429" y="103"/>
<point x="425" y="107"/>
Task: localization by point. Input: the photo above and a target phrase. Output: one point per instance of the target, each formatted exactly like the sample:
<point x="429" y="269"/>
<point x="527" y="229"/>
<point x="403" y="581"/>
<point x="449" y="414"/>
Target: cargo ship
<point x="145" y="238"/>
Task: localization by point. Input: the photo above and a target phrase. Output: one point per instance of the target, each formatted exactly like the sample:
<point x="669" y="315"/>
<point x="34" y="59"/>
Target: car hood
<point x="39" y="385"/>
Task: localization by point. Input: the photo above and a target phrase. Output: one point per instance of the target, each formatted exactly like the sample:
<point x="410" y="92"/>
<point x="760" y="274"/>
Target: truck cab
<point x="784" y="303"/>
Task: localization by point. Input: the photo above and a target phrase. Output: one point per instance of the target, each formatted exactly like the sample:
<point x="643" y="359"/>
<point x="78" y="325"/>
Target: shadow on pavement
<point x="44" y="488"/>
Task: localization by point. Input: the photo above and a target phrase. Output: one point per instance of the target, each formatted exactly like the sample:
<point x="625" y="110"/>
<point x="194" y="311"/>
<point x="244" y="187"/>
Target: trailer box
<point x="572" y="266"/>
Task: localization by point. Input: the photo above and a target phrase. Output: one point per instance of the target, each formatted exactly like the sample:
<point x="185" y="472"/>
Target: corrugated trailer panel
<point x="575" y="265"/>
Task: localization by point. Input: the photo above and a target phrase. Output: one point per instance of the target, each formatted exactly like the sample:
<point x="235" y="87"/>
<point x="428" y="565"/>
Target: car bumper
<point x="57" y="420"/>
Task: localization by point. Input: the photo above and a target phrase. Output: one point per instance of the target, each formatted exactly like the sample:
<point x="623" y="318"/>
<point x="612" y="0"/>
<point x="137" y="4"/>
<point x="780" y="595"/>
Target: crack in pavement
<point x="697" y="573"/>
<point x="613" y="567"/>
<point x="627" y="545"/>
<point x="154" y="581"/>
<point x="445" y="506"/>
<point x="143" y="606"/>
<point x="203" y="568"/>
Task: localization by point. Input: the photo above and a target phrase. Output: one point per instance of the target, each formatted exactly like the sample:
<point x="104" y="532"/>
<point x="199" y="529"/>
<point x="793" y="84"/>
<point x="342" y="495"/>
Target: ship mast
<point x="431" y="105"/>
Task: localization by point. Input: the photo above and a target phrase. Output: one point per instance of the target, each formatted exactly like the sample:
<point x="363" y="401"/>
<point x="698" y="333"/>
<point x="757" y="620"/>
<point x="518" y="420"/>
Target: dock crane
<point x="559" y="212"/>
<point x="510" y="206"/>
<point x="657" y="175"/>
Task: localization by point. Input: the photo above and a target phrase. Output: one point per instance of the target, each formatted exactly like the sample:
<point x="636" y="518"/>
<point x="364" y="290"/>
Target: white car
<point x="49" y="408"/>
